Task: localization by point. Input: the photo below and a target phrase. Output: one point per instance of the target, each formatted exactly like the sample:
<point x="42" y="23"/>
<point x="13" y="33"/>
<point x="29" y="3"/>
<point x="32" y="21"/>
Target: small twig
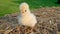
<point x="8" y="27"/>
<point x="2" y="30"/>
<point x="6" y="32"/>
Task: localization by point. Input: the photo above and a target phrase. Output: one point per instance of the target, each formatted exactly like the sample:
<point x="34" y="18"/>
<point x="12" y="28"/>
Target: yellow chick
<point x="26" y="17"/>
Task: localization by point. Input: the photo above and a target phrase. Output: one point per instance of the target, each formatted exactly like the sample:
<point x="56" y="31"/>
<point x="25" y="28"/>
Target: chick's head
<point x="24" y="9"/>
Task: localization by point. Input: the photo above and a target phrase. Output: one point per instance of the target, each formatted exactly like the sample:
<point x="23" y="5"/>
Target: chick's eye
<point x="25" y="10"/>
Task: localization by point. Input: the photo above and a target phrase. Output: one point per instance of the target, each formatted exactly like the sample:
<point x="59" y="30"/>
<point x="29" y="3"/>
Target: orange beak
<point x="22" y="12"/>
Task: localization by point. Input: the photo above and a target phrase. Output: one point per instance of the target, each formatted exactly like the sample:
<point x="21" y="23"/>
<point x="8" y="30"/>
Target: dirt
<point x="48" y="22"/>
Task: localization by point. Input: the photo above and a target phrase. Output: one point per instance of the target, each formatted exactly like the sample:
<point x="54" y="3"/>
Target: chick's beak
<point x="22" y="12"/>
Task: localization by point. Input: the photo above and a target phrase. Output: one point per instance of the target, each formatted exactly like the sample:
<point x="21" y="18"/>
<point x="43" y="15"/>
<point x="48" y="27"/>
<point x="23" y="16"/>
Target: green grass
<point x="12" y="6"/>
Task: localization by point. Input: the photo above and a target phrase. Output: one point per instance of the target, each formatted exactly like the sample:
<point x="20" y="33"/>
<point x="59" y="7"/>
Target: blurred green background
<point x="12" y="6"/>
